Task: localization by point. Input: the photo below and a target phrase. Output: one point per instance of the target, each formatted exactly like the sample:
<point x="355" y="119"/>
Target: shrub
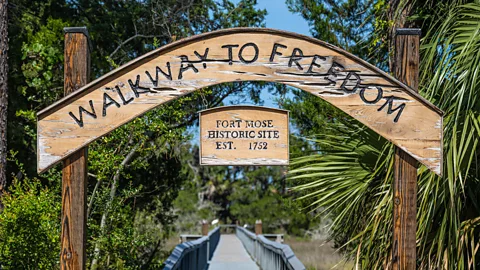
<point x="30" y="227"/>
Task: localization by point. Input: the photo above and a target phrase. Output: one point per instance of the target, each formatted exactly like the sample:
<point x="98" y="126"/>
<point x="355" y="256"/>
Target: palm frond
<point x="350" y="177"/>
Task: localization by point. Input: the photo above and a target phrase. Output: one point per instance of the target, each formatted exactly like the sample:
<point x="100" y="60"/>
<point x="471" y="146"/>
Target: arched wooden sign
<point x="361" y="90"/>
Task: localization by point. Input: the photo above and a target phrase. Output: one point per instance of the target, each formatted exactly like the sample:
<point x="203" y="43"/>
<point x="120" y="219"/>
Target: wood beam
<point x="406" y="68"/>
<point x="74" y="173"/>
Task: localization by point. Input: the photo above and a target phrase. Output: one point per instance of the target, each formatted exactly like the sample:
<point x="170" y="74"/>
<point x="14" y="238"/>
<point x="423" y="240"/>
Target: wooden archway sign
<point x="361" y="90"/>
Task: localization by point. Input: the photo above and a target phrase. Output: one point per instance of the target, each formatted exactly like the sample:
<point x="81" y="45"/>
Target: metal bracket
<point x="408" y="31"/>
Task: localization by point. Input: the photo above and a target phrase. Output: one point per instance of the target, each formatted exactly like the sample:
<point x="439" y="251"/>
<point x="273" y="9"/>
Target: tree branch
<point x="132" y="38"/>
<point x="113" y="190"/>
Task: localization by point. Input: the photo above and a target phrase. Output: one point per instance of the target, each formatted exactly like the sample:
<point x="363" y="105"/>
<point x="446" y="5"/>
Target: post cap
<point x="82" y="30"/>
<point x="408" y="31"/>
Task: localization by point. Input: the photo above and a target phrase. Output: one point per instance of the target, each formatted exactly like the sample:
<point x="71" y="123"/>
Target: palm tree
<point x="351" y="177"/>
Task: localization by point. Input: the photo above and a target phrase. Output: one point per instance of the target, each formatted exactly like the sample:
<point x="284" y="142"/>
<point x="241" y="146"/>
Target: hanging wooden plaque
<point x="244" y="135"/>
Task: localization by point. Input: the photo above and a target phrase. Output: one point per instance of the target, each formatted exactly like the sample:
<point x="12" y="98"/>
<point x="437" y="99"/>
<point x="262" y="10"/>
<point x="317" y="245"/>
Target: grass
<point x="171" y="243"/>
<point x="317" y="254"/>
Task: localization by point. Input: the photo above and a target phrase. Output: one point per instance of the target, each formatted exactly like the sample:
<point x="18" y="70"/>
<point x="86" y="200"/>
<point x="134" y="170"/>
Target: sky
<point x="278" y="17"/>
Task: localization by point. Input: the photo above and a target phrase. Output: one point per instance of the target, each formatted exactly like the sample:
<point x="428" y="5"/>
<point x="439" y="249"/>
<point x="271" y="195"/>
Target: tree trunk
<point x="113" y="190"/>
<point x="398" y="13"/>
<point x="3" y="94"/>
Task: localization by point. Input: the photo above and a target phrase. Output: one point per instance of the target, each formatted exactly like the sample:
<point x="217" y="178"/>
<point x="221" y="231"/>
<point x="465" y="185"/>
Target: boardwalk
<point x="230" y="254"/>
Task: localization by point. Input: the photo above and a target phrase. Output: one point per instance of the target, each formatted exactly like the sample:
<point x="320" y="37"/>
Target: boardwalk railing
<point x="194" y="255"/>
<point x="268" y="254"/>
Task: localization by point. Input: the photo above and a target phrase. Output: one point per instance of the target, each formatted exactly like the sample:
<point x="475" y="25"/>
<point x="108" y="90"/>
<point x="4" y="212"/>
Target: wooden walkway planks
<point x="230" y="254"/>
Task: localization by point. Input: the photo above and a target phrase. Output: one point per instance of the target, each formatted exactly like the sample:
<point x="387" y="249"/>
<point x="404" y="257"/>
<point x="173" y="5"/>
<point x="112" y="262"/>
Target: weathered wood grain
<point x="369" y="95"/>
<point x="407" y="54"/>
<point x="74" y="173"/>
<point x="244" y="135"/>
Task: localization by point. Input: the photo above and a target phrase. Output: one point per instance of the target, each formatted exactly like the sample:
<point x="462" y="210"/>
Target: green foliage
<point x="451" y="80"/>
<point x="244" y="194"/>
<point x="123" y="30"/>
<point x="342" y="23"/>
<point x="42" y="70"/>
<point x="347" y="180"/>
<point x="42" y="57"/>
<point x="131" y="240"/>
<point x="350" y="176"/>
<point x="135" y="172"/>
<point x="35" y="78"/>
<point x="30" y="226"/>
<point x="310" y="114"/>
<point x="277" y="212"/>
<point x="190" y="211"/>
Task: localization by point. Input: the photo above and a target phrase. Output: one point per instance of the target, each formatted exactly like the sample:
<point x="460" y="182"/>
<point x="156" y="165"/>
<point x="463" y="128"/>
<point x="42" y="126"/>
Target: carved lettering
<point x="296" y="56"/>
<point x="136" y="88"/>
<point x="247" y="54"/>
<point x="274" y="50"/>
<point x="107" y="102"/>
<point x="377" y="98"/>
<point x="203" y="58"/>
<point x="183" y="68"/>
<point x="390" y="109"/>
<point x="159" y="70"/>
<point x="230" y="52"/>
<point x="346" y="85"/>
<point x="120" y="94"/>
<point x="314" y="64"/>
<point x="82" y="110"/>
<point x="255" y="57"/>
<point x="333" y="71"/>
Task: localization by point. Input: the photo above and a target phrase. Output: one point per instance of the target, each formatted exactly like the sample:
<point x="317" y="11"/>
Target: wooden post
<point x="205" y="226"/>
<point x="74" y="180"/>
<point x="258" y="227"/>
<point x="406" y="67"/>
